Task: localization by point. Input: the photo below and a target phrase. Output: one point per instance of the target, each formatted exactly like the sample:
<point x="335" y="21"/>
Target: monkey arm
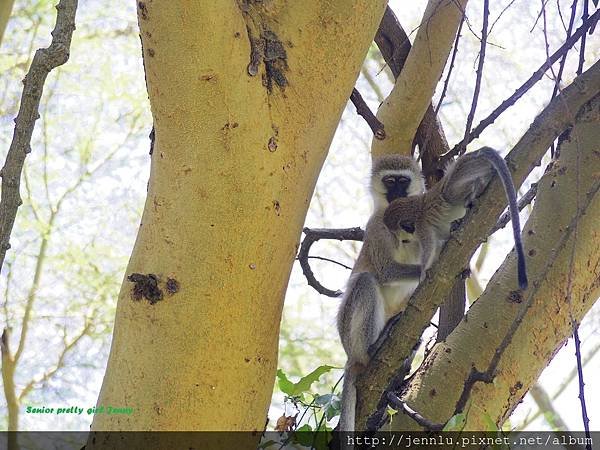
<point x="394" y="271"/>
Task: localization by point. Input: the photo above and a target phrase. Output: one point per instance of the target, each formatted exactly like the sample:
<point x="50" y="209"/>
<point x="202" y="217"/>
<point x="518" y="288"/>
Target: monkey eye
<point x="389" y="181"/>
<point x="392" y="180"/>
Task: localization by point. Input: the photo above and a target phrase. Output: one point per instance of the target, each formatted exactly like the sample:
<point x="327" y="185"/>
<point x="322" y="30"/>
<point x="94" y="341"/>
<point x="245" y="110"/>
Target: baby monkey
<point x="430" y="215"/>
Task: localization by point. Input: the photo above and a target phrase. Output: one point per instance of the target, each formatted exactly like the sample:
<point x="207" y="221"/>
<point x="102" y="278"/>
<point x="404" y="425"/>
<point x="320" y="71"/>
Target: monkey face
<point x="408" y="227"/>
<point x="396" y="186"/>
<point x="393" y="177"/>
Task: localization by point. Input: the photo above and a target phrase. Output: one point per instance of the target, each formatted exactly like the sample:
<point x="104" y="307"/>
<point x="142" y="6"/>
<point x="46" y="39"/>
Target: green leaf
<point x="286" y="386"/>
<point x="490" y="425"/>
<point x="304" y="384"/>
<point x="391" y="411"/>
<point x="330" y="403"/>
<point x="306" y="381"/>
<point x="456" y="422"/>
<point x="304" y="435"/>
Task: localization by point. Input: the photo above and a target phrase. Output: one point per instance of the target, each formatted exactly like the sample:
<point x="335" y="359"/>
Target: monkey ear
<point x="466" y="179"/>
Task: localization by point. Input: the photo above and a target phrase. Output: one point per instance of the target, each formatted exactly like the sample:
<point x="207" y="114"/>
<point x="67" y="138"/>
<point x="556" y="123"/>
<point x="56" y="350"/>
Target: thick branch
<point x="527" y="153"/>
<point x="43" y="62"/>
<point x="489" y="374"/>
<point x="416" y="83"/>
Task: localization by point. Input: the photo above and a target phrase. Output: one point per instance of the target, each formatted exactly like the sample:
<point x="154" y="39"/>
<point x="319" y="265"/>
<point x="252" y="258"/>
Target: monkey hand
<point x="400" y="214"/>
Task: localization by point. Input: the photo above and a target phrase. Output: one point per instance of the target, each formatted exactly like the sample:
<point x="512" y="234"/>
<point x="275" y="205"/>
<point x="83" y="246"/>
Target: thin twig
<point x="500" y="15"/>
<point x="315" y="234"/>
<point x="43" y="62"/>
<point x="333" y="261"/>
<point x="451" y="68"/>
<point x="538" y="74"/>
<point x="584" y="17"/>
<point x="563" y="60"/>
<point x="561" y="66"/>
<point x="365" y="112"/>
<point x="575" y="325"/>
<point x="414" y="415"/>
<point x="479" y="76"/>
<point x="581" y="384"/>
<point x="60" y="361"/>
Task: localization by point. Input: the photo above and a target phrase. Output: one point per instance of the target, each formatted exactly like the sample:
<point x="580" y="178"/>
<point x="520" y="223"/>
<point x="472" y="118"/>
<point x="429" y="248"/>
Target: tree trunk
<point x="6" y="7"/>
<point x="245" y="97"/>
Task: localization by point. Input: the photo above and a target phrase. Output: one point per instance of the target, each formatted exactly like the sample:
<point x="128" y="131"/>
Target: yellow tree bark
<point x="6" y="7"/>
<point x="568" y="190"/>
<point x="245" y="97"/>
<point x="403" y="109"/>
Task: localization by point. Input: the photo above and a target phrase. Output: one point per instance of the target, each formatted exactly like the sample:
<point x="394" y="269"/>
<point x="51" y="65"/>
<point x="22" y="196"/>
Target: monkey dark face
<point x="408" y="227"/>
<point x="396" y="186"/>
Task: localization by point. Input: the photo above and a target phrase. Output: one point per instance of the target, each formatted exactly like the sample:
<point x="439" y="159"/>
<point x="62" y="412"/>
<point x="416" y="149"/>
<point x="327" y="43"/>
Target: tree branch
<point x="363" y="110"/>
<point x="417" y="80"/>
<point x="316" y="234"/>
<point x="43" y="62"/>
<point x="491" y="320"/>
<point x="537" y="75"/>
<point x="490" y="373"/>
<point x="479" y="76"/>
<point x="521" y="204"/>
<point x="394" y="45"/>
<point x="60" y="361"/>
<point x="414" y="415"/>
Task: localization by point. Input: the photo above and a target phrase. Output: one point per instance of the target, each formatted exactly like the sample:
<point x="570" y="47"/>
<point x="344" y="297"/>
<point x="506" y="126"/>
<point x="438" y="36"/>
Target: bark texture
<point x="245" y="97"/>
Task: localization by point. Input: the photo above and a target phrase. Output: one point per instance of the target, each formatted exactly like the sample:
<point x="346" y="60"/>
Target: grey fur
<point x="383" y="278"/>
<point x="432" y="213"/>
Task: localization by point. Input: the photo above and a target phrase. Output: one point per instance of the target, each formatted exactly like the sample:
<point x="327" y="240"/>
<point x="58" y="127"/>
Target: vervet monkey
<point x="384" y="276"/>
<point x="431" y="214"/>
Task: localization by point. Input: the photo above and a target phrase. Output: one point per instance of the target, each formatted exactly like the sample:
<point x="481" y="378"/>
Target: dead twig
<point x="365" y="112"/>
<point x="43" y="62"/>
<point x="312" y="235"/>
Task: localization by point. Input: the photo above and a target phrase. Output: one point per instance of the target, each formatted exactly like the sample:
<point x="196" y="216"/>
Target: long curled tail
<point x="502" y="169"/>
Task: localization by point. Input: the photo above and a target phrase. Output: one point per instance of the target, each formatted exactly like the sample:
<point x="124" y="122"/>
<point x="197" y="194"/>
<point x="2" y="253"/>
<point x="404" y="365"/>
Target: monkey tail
<point x="502" y="169"/>
<point x="348" y="411"/>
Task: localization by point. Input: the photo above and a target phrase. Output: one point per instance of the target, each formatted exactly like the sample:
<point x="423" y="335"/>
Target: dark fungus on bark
<point x="172" y="286"/>
<point x="143" y="10"/>
<point x="145" y="286"/>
